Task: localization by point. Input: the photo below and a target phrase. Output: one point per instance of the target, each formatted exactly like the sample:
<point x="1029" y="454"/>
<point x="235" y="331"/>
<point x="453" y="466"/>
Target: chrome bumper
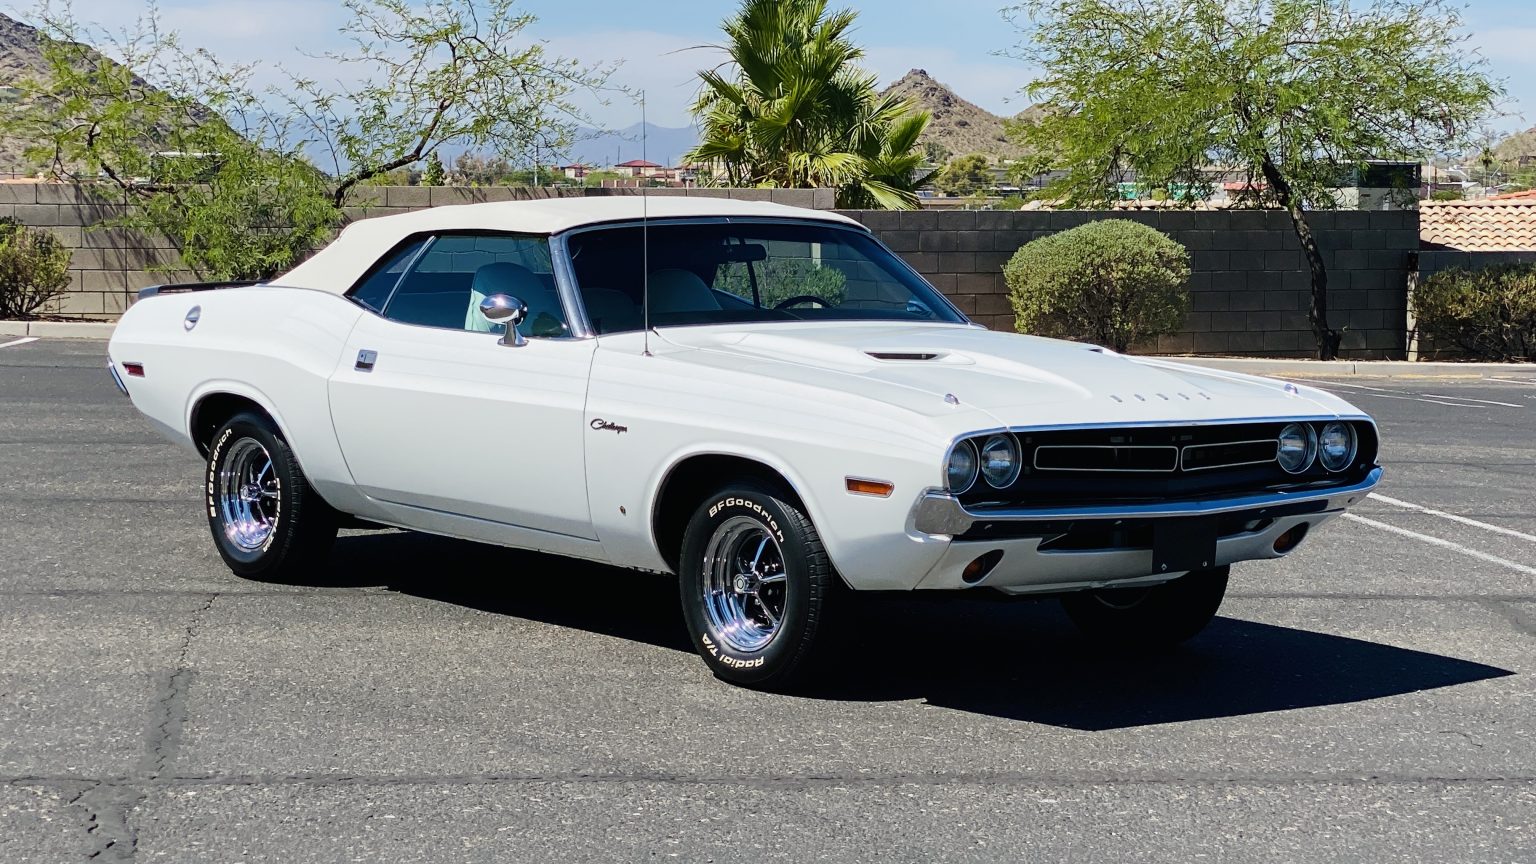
<point x="116" y="378"/>
<point x="939" y="513"/>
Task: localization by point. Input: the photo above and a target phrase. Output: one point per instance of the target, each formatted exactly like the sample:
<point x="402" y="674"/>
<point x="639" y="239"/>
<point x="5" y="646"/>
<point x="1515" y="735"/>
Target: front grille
<point x="1142" y="464"/>
<point x="1095" y="457"/>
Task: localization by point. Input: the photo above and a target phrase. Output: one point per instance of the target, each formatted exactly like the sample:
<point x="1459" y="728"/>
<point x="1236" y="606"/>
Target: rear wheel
<point x="267" y="522"/>
<point x="1154" y="616"/>
<point x="755" y="582"/>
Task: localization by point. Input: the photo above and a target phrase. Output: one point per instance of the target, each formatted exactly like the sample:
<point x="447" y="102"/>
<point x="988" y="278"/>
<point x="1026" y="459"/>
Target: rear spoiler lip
<point x="155" y="290"/>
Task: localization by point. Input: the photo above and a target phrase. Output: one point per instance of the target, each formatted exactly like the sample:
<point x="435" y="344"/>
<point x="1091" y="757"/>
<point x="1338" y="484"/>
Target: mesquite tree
<point x="1293" y="93"/>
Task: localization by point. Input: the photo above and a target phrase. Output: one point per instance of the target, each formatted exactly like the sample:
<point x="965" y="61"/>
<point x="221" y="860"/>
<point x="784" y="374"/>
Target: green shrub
<point x="1490" y="314"/>
<point x="1447" y="195"/>
<point x="1112" y="283"/>
<point x="34" y="269"/>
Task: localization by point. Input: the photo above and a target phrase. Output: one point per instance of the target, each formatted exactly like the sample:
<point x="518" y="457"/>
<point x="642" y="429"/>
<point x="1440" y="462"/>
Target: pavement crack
<point x="170" y="708"/>
<point x="107" y="807"/>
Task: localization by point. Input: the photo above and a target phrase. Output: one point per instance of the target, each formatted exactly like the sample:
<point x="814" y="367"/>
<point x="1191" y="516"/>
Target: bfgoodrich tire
<point x="1154" y="617"/>
<point x="267" y="522"/>
<point x="755" y="585"/>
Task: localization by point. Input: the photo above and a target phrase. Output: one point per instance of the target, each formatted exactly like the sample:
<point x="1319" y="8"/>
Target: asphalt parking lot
<point x="1369" y="698"/>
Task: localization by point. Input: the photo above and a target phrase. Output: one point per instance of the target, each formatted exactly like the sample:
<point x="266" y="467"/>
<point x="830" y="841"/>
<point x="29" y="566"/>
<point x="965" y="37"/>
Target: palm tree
<point x="798" y="112"/>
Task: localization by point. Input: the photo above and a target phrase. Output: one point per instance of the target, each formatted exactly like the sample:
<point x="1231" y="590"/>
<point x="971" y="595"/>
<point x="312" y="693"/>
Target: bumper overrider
<point x="1042" y="549"/>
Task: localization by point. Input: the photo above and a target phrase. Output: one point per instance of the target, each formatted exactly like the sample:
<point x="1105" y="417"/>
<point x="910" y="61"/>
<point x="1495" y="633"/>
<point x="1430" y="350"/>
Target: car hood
<point x="1019" y="380"/>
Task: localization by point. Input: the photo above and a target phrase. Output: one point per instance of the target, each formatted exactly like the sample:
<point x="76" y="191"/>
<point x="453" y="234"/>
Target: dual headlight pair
<point x="1301" y="445"/>
<point x="996" y="460"/>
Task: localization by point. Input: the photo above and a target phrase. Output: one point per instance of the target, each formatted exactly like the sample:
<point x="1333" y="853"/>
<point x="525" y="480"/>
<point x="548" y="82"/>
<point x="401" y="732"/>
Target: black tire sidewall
<point x="778" y="660"/>
<point x="271" y="557"/>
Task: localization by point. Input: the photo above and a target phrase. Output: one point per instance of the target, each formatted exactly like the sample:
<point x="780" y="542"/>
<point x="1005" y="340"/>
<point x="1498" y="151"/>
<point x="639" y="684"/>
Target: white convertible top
<point x="361" y="244"/>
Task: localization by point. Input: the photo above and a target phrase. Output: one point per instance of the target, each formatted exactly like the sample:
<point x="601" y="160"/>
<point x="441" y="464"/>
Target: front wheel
<point x="755" y="582"/>
<point x="267" y="522"/>
<point x="1152" y="617"/>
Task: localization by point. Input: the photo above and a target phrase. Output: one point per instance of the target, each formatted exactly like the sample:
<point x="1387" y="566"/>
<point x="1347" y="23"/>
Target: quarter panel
<point x="275" y="346"/>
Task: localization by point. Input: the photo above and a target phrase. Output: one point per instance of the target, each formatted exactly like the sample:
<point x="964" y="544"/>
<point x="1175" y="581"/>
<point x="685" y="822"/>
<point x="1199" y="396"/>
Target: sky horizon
<point x="661" y="55"/>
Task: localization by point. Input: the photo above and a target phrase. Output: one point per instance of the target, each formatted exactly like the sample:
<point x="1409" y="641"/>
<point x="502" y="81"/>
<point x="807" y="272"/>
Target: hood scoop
<point x="908" y="356"/>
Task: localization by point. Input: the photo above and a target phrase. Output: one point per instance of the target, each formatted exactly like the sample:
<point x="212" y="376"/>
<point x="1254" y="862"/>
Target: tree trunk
<point x="1327" y="338"/>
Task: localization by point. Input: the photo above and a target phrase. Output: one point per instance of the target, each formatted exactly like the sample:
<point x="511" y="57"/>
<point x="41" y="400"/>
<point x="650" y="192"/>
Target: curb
<point x="59" y="329"/>
<point x="1357" y="368"/>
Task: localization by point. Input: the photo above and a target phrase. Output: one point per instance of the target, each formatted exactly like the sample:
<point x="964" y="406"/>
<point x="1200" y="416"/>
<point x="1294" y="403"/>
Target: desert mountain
<point x="960" y="127"/>
<point x="20" y="58"/>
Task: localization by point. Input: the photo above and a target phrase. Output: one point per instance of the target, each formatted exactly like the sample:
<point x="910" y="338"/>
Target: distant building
<point x="639" y="168"/>
<point x="577" y="171"/>
<point x="1381" y="184"/>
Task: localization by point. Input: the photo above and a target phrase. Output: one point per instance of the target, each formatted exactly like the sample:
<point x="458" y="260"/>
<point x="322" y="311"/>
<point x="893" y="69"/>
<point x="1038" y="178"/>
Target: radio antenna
<point x="645" y="240"/>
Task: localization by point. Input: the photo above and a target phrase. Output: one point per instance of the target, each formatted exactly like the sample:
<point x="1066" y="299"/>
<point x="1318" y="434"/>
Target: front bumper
<point x="1026" y="568"/>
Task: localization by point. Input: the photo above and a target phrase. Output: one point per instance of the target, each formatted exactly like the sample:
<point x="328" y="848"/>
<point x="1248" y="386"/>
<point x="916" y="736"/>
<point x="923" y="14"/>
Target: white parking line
<point x="1470" y="399"/>
<point x="1445" y="544"/>
<point x="1431" y="398"/>
<point x="1409" y="505"/>
<point x="22" y="341"/>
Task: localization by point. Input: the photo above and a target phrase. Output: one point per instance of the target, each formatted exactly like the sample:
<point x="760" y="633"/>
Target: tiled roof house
<point x="1504" y="223"/>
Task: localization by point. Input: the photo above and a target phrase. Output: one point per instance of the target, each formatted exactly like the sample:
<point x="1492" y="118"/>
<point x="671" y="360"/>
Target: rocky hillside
<point x="960" y="127"/>
<point x="20" y="58"/>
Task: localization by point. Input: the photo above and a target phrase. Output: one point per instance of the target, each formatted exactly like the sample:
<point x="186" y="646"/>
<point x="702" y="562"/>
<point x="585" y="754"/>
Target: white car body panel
<point x="564" y="445"/>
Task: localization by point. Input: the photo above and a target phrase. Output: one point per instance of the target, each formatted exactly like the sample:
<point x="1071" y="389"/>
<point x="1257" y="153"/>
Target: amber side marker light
<point x="877" y="488"/>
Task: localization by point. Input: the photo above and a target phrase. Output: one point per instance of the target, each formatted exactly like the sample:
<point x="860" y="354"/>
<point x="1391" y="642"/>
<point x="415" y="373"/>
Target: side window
<point x="446" y="286"/>
<point x="374" y="290"/>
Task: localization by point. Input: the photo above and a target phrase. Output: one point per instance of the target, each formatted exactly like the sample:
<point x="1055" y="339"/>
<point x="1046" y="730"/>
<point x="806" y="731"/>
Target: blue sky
<point x="956" y="41"/>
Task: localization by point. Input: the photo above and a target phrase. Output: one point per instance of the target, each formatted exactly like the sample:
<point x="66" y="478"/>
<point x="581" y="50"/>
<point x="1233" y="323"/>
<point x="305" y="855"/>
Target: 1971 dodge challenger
<point x="762" y="400"/>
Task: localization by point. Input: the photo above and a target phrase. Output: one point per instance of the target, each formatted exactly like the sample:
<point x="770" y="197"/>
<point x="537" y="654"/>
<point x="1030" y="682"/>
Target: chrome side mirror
<point x="508" y="310"/>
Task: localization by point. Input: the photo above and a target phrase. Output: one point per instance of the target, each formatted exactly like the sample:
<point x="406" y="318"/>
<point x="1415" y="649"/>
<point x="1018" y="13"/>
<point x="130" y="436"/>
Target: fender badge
<point x="601" y="425"/>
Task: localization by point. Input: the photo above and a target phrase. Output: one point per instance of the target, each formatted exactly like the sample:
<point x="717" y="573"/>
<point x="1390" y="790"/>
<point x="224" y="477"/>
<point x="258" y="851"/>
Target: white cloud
<point x="664" y="65"/>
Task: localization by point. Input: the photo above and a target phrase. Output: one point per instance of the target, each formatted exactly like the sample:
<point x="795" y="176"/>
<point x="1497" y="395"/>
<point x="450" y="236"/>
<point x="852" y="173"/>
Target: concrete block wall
<point x="1250" y="288"/>
<point x="108" y="266"/>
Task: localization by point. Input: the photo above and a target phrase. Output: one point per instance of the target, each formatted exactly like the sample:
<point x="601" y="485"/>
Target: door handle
<point x="365" y="360"/>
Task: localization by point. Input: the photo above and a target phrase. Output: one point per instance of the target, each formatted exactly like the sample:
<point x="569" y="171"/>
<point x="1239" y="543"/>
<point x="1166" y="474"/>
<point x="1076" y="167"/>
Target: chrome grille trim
<point x="1173" y="464"/>
<point x="1185" y="451"/>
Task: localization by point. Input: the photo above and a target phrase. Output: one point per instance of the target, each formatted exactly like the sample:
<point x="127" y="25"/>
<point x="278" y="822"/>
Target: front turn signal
<point x="877" y="488"/>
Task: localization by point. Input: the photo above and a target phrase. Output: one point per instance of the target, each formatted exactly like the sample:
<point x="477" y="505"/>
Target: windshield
<point x="714" y="273"/>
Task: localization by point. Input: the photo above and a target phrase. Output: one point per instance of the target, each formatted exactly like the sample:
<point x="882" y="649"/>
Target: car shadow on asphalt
<point x="1020" y="660"/>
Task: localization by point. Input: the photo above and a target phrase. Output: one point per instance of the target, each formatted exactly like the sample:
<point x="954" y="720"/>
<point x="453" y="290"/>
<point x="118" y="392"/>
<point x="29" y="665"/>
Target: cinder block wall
<point x="1250" y="289"/>
<point x="109" y="265"/>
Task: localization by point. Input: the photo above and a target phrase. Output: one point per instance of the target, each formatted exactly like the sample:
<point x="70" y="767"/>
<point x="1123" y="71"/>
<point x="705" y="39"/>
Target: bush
<point x="1447" y="195"/>
<point x="34" y="269"/>
<point x="1112" y="283"/>
<point x="1490" y="313"/>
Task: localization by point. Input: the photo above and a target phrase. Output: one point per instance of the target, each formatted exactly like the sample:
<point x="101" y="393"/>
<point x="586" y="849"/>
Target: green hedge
<point x="1113" y="283"/>
<point x="1488" y="314"/>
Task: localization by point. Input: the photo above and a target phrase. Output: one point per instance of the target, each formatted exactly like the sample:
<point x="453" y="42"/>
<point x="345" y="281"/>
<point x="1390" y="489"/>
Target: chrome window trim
<point x="939" y="513"/>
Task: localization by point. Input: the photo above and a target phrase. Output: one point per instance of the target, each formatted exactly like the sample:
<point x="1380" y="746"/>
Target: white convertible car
<point x="762" y="400"/>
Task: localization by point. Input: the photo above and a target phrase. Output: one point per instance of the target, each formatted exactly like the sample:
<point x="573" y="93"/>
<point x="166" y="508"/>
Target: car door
<point x="435" y="414"/>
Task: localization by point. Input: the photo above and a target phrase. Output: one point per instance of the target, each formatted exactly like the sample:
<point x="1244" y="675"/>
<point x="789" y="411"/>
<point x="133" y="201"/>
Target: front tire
<point x="267" y="523"/>
<point x="1157" y="616"/>
<point x="755" y="582"/>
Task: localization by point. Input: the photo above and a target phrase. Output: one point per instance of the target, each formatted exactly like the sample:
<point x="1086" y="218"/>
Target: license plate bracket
<point x="1183" y="544"/>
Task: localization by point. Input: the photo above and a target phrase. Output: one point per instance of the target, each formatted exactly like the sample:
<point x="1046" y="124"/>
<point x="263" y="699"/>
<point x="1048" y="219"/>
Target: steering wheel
<point x="801" y="298"/>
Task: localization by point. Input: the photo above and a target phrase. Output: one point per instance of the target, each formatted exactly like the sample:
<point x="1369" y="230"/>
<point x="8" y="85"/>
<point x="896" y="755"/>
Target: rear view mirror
<point x="742" y="253"/>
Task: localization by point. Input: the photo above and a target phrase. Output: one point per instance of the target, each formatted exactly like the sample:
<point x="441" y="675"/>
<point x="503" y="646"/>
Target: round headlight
<point x="999" y="461"/>
<point x="1298" y="446"/>
<point x="1336" y="446"/>
<point x="961" y="471"/>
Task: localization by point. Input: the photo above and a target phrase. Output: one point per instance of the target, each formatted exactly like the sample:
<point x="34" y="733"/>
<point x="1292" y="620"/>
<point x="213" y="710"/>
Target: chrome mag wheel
<point x="247" y="491"/>
<point x="744" y="584"/>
